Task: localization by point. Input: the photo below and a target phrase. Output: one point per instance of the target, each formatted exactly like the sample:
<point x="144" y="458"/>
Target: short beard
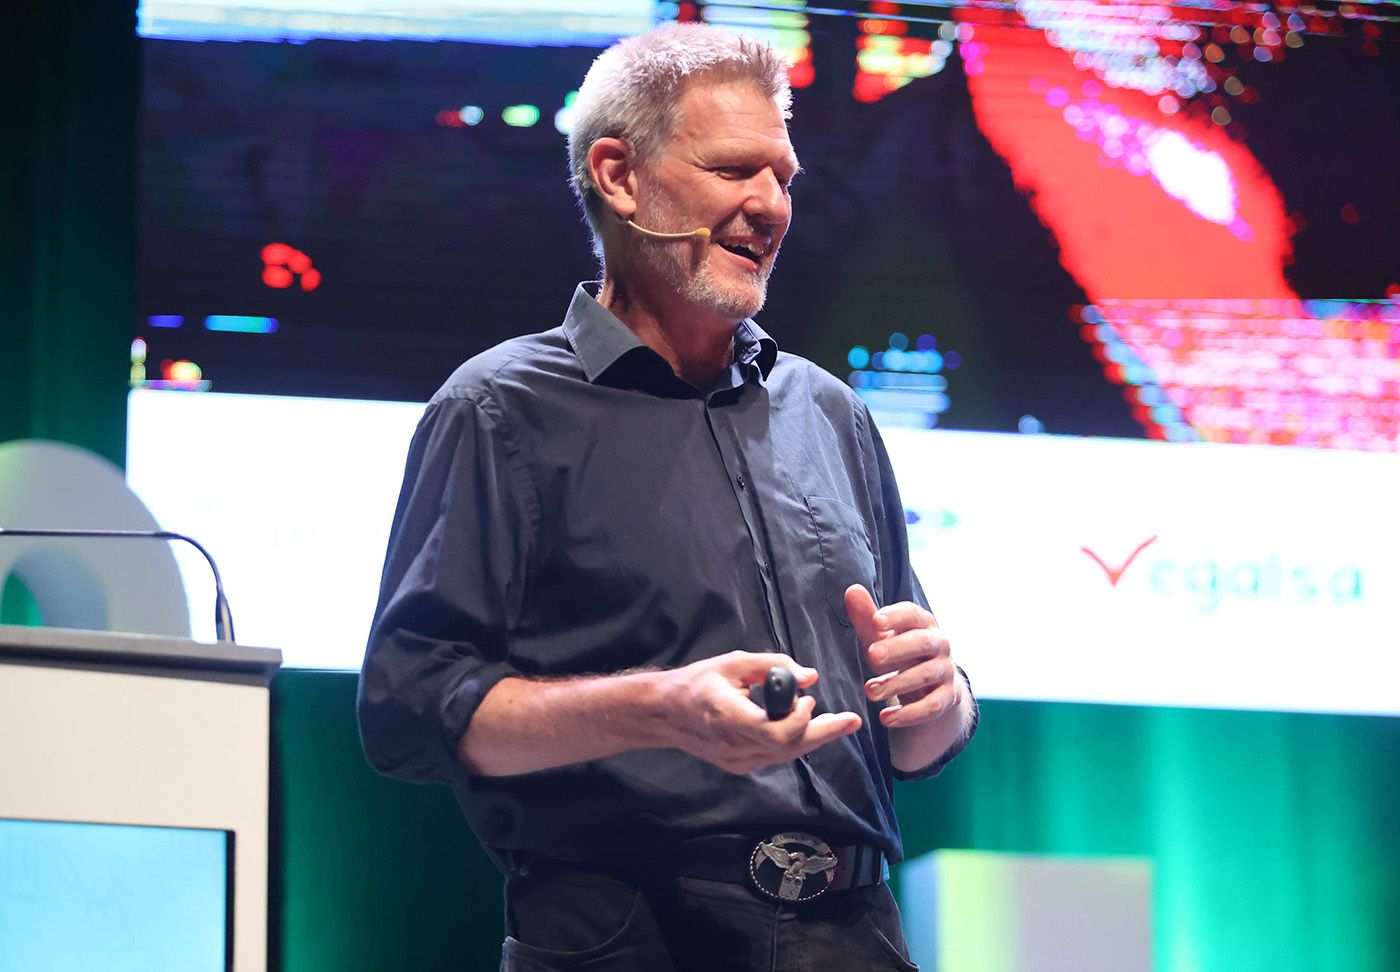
<point x="671" y="261"/>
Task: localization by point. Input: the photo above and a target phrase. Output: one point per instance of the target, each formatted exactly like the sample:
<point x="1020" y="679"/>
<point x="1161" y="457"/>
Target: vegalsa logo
<point x="1209" y="582"/>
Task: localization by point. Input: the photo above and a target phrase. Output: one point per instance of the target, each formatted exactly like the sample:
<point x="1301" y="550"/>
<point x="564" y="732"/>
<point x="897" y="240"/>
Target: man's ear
<point x="611" y="165"/>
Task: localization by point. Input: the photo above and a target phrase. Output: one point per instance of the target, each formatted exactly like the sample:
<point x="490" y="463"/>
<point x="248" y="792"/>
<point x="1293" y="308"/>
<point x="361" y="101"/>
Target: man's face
<point x="727" y="168"/>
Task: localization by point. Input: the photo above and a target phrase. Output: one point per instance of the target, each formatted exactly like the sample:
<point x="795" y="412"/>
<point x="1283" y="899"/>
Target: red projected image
<point x="1115" y="121"/>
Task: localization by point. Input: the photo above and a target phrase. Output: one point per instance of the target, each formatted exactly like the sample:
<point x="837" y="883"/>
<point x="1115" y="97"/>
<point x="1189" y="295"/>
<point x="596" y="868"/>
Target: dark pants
<point x="564" y="917"/>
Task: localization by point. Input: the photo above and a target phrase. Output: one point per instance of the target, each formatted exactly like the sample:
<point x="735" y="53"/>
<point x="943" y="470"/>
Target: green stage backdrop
<point x="68" y="222"/>
<point x="1273" y="835"/>
<point x="67" y="229"/>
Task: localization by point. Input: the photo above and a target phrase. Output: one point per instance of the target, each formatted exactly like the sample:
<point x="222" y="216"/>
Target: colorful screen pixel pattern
<point x="1136" y="135"/>
<point x="1115" y="121"/>
<point x="1309" y="373"/>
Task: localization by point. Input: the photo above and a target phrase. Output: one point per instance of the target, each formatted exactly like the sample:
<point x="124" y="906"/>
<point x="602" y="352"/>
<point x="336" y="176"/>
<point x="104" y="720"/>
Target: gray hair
<point x="632" y="88"/>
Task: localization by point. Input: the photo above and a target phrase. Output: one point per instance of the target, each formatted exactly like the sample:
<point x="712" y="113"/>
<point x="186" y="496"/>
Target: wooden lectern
<point x="102" y="727"/>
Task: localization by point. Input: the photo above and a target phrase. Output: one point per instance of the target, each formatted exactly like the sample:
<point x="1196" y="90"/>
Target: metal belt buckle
<point x="792" y="867"/>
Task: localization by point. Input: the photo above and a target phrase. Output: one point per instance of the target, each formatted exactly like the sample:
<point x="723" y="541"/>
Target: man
<point x="609" y="532"/>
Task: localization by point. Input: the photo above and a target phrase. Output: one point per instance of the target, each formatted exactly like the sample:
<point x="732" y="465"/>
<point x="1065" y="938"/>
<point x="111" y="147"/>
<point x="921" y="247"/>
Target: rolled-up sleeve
<point x="451" y="591"/>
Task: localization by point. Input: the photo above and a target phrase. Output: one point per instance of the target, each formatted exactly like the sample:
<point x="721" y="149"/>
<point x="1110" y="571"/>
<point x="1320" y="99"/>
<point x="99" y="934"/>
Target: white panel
<point x="292" y="496"/>
<point x="1271" y="583"/>
<point x="1270" y="578"/>
<point x="139" y="749"/>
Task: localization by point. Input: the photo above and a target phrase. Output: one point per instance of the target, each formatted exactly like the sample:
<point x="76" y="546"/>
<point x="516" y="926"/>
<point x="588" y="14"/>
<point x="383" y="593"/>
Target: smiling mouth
<point x="753" y="253"/>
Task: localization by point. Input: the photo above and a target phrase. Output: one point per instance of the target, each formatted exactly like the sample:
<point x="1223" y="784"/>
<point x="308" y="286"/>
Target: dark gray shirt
<point x="570" y="506"/>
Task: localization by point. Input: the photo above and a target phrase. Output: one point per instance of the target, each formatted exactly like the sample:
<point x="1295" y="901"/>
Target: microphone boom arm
<point x="223" y="617"/>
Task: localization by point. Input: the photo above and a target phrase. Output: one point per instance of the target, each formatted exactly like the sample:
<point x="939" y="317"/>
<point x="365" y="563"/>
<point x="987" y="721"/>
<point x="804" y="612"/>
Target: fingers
<point x="896" y="636"/>
<point x="913" y="682"/>
<point x="787" y="739"/>
<point x="747" y="668"/>
<point x="871" y="621"/>
<point x="780" y="732"/>
<point x="860" y="607"/>
<point x="828" y="727"/>
<point x="799" y="732"/>
<point x="904" y="616"/>
<point x="908" y="648"/>
<point x="943" y="699"/>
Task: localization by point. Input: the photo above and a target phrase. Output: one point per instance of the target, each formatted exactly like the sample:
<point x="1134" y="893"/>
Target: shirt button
<point x="740" y="481"/>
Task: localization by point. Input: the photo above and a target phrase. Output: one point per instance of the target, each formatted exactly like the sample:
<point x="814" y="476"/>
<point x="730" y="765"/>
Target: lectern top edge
<point x="137" y="653"/>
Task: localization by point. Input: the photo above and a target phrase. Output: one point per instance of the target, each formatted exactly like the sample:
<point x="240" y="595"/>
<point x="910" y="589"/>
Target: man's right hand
<point x="525" y="725"/>
<point x="710" y="714"/>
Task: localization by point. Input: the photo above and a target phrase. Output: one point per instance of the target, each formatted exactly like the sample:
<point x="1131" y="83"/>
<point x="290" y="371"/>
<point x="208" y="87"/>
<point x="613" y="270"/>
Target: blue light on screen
<point x="587" y="23"/>
<point x="241" y="323"/>
<point x="84" y="897"/>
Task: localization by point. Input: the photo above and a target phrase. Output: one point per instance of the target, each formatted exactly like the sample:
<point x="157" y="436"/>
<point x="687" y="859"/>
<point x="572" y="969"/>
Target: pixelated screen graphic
<point x="1165" y="221"/>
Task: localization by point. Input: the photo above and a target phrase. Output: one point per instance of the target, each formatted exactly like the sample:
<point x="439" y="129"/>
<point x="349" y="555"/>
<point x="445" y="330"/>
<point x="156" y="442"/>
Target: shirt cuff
<point x="936" y="767"/>
<point x="461" y="703"/>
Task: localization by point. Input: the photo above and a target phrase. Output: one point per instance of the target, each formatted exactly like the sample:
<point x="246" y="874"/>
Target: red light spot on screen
<point x="283" y="264"/>
<point x="276" y="253"/>
<point x="278" y="277"/>
<point x="802" y="74"/>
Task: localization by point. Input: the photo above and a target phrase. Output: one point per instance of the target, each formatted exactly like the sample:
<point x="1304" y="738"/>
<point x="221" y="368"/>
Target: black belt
<point x="790" y="867"/>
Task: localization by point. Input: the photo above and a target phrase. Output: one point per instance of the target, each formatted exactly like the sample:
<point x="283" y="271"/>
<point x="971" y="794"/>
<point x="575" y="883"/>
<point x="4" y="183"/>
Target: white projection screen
<point x="1063" y="568"/>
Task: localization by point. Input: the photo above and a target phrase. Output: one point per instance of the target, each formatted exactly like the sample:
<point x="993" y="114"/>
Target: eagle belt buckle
<point x="792" y="868"/>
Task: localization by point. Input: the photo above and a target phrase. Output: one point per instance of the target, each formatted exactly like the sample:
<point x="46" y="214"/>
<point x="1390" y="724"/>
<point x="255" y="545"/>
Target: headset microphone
<point x="701" y="233"/>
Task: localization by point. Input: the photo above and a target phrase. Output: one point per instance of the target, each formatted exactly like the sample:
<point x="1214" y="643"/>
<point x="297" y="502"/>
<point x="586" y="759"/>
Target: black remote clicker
<point x="779" y="691"/>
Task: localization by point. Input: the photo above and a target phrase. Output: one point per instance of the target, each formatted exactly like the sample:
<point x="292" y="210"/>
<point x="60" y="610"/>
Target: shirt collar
<point x="752" y="345"/>
<point x="600" y="340"/>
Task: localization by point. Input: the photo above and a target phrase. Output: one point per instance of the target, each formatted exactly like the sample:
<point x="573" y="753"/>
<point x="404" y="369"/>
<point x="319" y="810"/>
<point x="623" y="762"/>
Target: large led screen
<point x="1118" y="280"/>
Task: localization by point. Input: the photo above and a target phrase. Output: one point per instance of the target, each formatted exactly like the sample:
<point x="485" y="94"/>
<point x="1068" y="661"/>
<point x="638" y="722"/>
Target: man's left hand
<point x="913" y="666"/>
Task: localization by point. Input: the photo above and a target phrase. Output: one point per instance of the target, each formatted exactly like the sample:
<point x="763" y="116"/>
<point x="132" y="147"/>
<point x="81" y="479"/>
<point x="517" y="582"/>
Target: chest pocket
<point x="845" y="551"/>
